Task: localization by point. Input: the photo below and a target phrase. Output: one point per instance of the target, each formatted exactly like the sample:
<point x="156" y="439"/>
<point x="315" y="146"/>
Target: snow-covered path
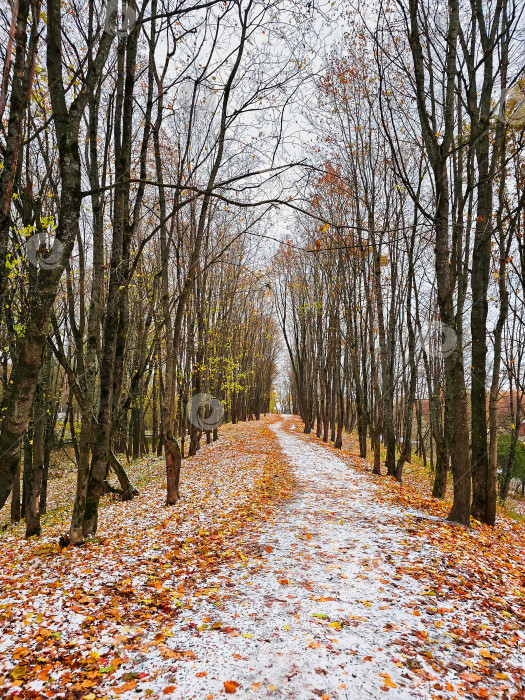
<point x="320" y="615"/>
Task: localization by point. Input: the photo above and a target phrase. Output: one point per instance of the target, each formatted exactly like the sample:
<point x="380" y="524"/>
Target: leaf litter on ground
<point x="287" y="570"/>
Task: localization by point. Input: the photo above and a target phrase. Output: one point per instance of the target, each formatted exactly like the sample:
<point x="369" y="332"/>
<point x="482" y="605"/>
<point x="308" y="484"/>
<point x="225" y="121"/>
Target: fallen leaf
<point x="487" y="655"/>
<point x="470" y="677"/>
<point x="230" y="686"/>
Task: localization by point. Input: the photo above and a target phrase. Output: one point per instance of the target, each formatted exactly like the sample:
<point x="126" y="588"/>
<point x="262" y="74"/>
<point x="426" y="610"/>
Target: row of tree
<point x="133" y="143"/>
<point x="403" y="306"/>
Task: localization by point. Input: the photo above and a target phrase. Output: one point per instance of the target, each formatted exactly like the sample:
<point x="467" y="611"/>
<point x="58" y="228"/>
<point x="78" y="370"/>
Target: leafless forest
<point x="305" y="207"/>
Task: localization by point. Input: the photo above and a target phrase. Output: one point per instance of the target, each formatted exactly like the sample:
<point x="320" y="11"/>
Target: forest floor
<point x="287" y="570"/>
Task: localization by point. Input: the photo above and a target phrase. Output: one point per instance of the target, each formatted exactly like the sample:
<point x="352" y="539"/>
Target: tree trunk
<point x="173" y="464"/>
<point x="20" y="84"/>
<point x="26" y="366"/>
<point x="16" y="513"/>
<point x="439" y="488"/>
<point x="128" y="490"/>
<point x="376" y="446"/>
<point x="87" y="432"/>
<point x="483" y="504"/>
<point x="35" y="471"/>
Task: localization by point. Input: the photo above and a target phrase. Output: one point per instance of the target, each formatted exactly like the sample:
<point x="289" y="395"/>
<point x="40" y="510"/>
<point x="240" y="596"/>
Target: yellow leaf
<point x="19" y="672"/>
<point x="389" y="683"/>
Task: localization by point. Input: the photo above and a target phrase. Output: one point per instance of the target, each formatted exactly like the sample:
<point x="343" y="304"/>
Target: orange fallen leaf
<point x="470" y="677"/>
<point x="124" y="688"/>
<point x="487" y="655"/>
<point x="256" y="686"/>
<point x="169" y="654"/>
<point x="230" y="686"/>
<point x="314" y="645"/>
<point x="201" y="674"/>
<point x="268" y="548"/>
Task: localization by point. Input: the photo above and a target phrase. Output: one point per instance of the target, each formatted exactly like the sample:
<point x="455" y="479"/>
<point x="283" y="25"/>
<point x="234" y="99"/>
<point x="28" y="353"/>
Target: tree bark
<point x="28" y="361"/>
<point x="173" y="464"/>
<point x="16" y="512"/>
